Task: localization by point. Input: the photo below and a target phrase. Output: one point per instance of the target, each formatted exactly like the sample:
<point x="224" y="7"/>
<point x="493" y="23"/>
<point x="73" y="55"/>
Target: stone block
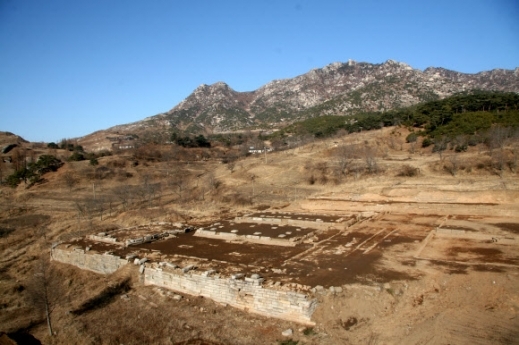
<point x="188" y="268"/>
<point x="208" y="273"/>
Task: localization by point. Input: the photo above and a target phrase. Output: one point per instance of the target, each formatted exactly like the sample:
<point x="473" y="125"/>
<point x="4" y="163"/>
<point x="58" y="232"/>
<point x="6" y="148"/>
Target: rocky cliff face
<point x="336" y="89"/>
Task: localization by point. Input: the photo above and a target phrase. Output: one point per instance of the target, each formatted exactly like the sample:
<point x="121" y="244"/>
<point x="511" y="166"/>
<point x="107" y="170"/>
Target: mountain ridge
<point x="339" y="88"/>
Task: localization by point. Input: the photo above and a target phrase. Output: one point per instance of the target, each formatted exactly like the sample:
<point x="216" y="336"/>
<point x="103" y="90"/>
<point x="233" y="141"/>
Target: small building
<point x="253" y="149"/>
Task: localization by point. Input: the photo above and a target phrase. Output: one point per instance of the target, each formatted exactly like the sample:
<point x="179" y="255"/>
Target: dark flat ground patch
<point x="460" y="268"/>
<point x="510" y="227"/>
<point x="450" y="267"/>
<point x="296" y="216"/>
<point x="357" y="267"/>
<point x="329" y="269"/>
<point x="481" y="251"/>
<point x="265" y="229"/>
<point x="487" y="268"/>
<point x="248" y="254"/>
<point x="481" y="254"/>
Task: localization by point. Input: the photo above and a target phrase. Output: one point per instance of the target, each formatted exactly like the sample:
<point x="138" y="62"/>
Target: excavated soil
<point x="269" y="230"/>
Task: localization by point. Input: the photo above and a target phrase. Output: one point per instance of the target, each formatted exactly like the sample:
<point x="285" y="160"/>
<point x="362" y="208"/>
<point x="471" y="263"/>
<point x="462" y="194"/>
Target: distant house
<point x="122" y="142"/>
<point x="253" y="150"/>
<point x="124" y="145"/>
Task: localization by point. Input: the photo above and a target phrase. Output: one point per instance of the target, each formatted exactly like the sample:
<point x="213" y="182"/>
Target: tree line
<point x="461" y="114"/>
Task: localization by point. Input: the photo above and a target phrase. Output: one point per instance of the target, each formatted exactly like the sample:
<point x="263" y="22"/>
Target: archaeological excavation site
<point x="280" y="264"/>
<point x="270" y="249"/>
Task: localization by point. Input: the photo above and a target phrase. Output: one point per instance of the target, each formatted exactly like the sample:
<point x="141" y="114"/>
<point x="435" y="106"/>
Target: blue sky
<point x="69" y="68"/>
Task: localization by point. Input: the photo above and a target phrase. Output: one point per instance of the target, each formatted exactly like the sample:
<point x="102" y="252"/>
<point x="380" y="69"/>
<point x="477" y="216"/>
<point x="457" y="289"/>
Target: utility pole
<point x="253" y="177"/>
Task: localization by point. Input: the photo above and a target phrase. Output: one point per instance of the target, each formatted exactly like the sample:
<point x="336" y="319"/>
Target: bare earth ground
<point x="424" y="268"/>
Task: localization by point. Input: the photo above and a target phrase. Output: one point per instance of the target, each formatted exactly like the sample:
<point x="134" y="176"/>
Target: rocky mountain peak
<point x="336" y="89"/>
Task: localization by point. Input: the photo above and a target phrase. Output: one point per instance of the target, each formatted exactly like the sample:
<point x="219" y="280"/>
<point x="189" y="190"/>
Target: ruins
<point x="276" y="264"/>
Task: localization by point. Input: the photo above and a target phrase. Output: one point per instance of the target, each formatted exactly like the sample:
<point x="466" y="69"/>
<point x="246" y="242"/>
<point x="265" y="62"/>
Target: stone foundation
<point x="99" y="263"/>
<point x="314" y="224"/>
<point x="247" y="238"/>
<point x="244" y="293"/>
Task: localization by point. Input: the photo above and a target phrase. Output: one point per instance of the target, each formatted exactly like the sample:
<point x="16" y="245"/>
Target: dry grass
<point x="121" y="193"/>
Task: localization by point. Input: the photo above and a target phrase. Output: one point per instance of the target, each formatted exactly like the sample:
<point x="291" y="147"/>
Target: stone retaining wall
<point x="99" y="263"/>
<point x="317" y="204"/>
<point x="314" y="224"/>
<point x="249" y="238"/>
<point x="104" y="239"/>
<point x="247" y="294"/>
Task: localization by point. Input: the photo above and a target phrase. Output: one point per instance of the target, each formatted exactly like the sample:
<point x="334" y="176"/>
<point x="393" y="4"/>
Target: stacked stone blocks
<point x="99" y="263"/>
<point x="246" y="294"/>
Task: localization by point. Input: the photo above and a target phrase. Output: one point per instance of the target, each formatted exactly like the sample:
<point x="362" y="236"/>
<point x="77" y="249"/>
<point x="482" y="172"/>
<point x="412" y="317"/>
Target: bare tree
<point x="70" y="179"/>
<point x="123" y="193"/>
<point x="109" y="202"/>
<point x="345" y="155"/>
<point x="179" y="181"/>
<point x="17" y="159"/>
<point x="371" y="160"/>
<point x="317" y="172"/>
<point x="44" y="290"/>
<point x="252" y="180"/>
<point x="514" y="161"/>
<point x="440" y="145"/>
<point x="87" y="208"/>
<point x="212" y="181"/>
<point x="499" y="159"/>
<point x="453" y="166"/>
<point x="412" y="146"/>
<point x="394" y="142"/>
<point x="498" y="137"/>
<point x="322" y="168"/>
<point x="148" y="190"/>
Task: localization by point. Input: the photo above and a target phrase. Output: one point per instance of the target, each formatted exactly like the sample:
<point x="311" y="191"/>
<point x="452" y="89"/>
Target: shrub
<point x="76" y="157"/>
<point x="118" y="163"/>
<point x="33" y="172"/>
<point x="408" y="171"/>
<point x="411" y="138"/>
<point x="461" y="148"/>
<point x="427" y="142"/>
<point x="13" y="180"/>
<point x="237" y="199"/>
<point x="103" y="172"/>
<point x="473" y="141"/>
